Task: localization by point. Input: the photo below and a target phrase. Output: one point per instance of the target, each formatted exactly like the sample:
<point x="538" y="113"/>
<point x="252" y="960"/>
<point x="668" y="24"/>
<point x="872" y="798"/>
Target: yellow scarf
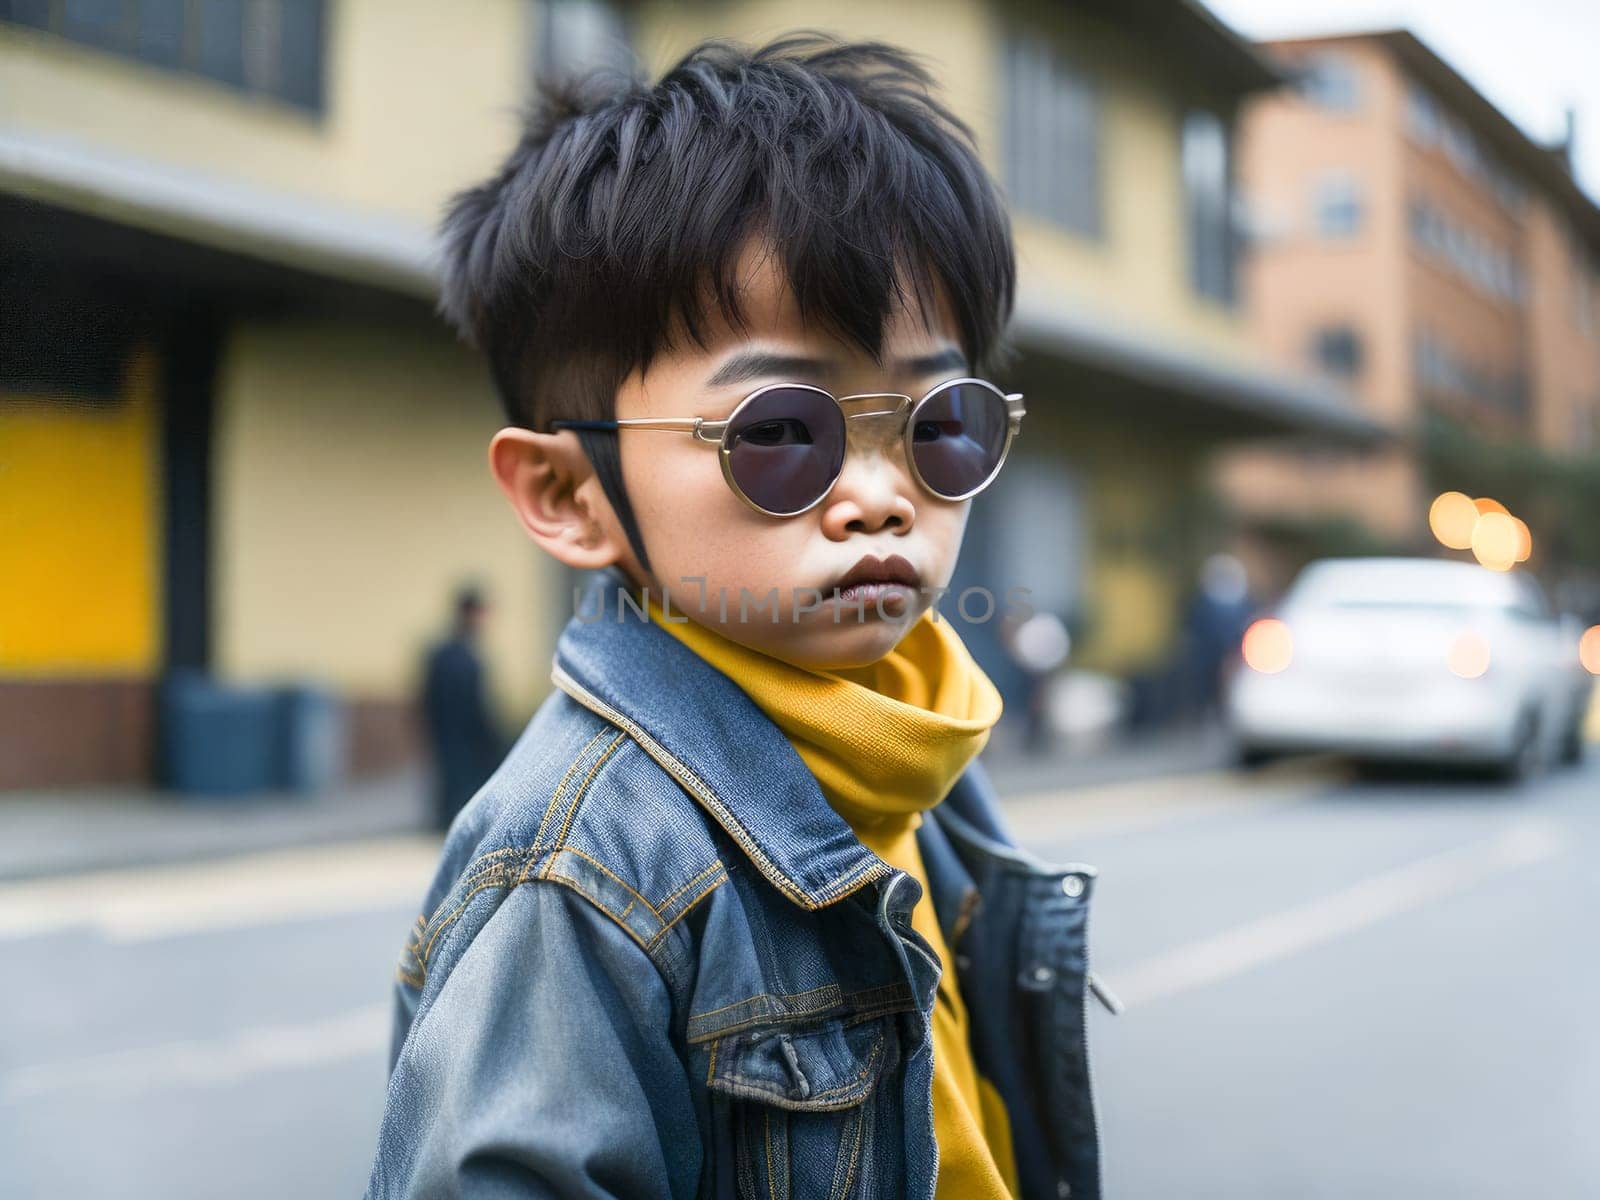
<point x="886" y="742"/>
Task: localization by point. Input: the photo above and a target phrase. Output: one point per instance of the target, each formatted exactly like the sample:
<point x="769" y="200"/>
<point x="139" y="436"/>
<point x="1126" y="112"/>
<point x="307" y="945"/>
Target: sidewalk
<point x="62" y="832"/>
<point x="56" y="832"/>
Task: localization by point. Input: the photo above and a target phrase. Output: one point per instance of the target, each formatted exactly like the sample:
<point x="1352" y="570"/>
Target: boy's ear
<point x="556" y="495"/>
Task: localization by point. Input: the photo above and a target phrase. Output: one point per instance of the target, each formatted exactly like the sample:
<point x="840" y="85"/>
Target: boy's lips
<point x="871" y="570"/>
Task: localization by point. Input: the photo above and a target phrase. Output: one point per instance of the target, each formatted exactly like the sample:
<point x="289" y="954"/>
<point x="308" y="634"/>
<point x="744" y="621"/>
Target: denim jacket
<point x="655" y="963"/>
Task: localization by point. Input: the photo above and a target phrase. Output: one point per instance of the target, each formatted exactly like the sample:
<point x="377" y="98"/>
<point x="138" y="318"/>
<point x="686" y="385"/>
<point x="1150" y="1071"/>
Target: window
<point x="1331" y="81"/>
<point x="1438" y="369"/>
<point x="1052" y="136"/>
<point x="1337" y="350"/>
<point x="576" y="35"/>
<point x="1338" y="205"/>
<point x="1208" y="195"/>
<point x="1429" y="126"/>
<point x="1424" y="122"/>
<point x="265" y="47"/>
<point x="1492" y="269"/>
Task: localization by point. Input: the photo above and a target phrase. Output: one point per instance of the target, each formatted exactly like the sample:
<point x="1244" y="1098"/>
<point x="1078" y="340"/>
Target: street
<point x="1335" y="986"/>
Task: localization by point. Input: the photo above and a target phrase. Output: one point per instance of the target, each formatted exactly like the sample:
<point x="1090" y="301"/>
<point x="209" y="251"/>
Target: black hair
<point x="619" y="218"/>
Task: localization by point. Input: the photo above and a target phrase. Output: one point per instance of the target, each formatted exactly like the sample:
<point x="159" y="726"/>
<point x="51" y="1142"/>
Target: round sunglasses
<point x="783" y="446"/>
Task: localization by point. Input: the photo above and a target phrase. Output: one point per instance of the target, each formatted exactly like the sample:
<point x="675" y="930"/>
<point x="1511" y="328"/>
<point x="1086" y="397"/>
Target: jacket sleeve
<point x="543" y="1067"/>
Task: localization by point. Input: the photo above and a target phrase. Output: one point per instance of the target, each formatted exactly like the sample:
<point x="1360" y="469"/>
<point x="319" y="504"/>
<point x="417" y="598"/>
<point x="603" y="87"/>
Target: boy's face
<point x="695" y="528"/>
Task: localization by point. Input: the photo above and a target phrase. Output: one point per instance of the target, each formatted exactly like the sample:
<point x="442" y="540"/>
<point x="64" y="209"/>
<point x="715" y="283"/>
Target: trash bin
<point x="218" y="740"/>
<point x="311" y="731"/>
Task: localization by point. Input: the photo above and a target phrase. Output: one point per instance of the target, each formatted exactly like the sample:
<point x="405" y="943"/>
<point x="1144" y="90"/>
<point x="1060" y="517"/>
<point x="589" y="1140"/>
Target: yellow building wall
<point x="352" y="497"/>
<point x="421" y="97"/>
<point x="80" y="565"/>
<point x="1143" y="485"/>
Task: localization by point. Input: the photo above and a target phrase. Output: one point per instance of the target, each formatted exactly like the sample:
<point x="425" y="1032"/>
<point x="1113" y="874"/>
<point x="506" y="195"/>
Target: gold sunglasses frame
<point x="715" y="432"/>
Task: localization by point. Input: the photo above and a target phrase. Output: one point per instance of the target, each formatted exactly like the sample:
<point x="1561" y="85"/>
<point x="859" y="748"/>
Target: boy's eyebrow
<point x="760" y="364"/>
<point x="764" y="364"/>
<point x="948" y="359"/>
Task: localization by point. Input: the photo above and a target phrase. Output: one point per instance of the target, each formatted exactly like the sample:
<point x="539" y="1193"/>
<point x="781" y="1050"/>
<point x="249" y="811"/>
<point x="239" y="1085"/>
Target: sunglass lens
<point x="958" y="436"/>
<point x="786" y="447"/>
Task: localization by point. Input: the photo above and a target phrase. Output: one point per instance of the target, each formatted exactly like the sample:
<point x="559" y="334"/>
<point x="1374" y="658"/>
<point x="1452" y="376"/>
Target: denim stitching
<point x="661" y="905"/>
<point x="482" y="871"/>
<point x="739" y="1086"/>
<point x="857" y="1125"/>
<point x="872" y="869"/>
<point x="538" y="836"/>
<point x="827" y="987"/>
<point x="688" y="908"/>
<point x="772" y="1184"/>
<point x="572" y="808"/>
<point x="766" y="1007"/>
<point x="575" y="885"/>
<point x="558" y="851"/>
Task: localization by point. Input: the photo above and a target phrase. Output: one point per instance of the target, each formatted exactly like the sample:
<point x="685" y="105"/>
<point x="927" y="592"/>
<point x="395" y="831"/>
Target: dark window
<point x="1337" y="350"/>
<point x="265" y="47"/>
<point x="1331" y="81"/>
<point x="1208" y="196"/>
<point x="1338" y="204"/>
<point x="1052" y="135"/>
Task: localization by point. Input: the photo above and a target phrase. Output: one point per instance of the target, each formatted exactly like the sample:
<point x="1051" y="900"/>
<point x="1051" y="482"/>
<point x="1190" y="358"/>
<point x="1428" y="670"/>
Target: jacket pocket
<point x="808" y="1106"/>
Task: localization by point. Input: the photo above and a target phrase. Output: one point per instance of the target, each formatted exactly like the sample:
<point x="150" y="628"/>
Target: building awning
<point x="320" y="239"/>
<point x="1134" y="374"/>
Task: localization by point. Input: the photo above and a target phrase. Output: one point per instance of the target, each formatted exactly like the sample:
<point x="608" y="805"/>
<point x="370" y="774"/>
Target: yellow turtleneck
<point x="887" y="742"/>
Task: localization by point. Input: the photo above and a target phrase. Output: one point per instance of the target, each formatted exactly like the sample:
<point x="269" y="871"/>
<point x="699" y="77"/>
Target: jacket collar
<point x="720" y="747"/>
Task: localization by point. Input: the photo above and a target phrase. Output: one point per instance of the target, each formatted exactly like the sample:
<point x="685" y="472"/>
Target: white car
<point x="1412" y="658"/>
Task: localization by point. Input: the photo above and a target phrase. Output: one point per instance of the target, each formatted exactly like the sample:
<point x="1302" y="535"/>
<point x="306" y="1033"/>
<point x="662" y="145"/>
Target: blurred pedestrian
<point x="1214" y="624"/>
<point x="465" y="744"/>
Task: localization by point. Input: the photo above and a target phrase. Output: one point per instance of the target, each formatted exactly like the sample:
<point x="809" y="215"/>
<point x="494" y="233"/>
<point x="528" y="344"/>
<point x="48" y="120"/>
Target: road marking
<point x="210" y="1062"/>
<point x="1141" y="804"/>
<point x="258" y="889"/>
<point x="1238" y="950"/>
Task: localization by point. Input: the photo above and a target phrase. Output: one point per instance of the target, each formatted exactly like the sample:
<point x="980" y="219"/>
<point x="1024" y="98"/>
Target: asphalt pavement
<point x="1335" y="986"/>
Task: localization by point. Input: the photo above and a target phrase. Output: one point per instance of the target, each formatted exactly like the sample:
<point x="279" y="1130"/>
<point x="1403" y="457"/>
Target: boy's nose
<point x="873" y="493"/>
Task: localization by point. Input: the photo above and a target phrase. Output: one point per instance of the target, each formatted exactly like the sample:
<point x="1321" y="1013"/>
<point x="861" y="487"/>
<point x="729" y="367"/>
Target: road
<point x="1334" y="987"/>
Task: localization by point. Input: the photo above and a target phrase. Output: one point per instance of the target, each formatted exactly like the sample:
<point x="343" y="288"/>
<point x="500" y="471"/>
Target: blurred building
<point x="232" y="435"/>
<point x="234" y="438"/>
<point x="1418" y="249"/>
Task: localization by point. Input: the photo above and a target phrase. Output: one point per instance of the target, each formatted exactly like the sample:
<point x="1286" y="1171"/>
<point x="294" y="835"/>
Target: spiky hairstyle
<point x="617" y="222"/>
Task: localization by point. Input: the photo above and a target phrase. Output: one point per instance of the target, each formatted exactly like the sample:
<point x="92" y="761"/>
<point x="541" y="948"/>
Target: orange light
<point x="1524" y="540"/>
<point x="1469" y="656"/>
<point x="1267" y="647"/>
<point x="1495" y="541"/>
<point x="1589" y="650"/>
<point x="1451" y="517"/>
<point x="1485" y="506"/>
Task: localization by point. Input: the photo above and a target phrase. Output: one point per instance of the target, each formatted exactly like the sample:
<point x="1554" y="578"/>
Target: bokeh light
<point x="1469" y="656"/>
<point x="1452" y="517"/>
<point x="1486" y="505"/>
<point x="1268" y="646"/>
<point x="1524" y="540"/>
<point x="1495" y="541"/>
<point x="1589" y="650"/>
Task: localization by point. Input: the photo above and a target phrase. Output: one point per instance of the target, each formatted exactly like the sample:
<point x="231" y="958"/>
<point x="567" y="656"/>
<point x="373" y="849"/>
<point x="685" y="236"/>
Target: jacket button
<point x="1043" y="974"/>
<point x="1072" y="885"/>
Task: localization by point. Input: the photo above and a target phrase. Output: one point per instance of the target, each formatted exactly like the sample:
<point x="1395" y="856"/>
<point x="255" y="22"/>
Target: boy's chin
<point x="839" y="647"/>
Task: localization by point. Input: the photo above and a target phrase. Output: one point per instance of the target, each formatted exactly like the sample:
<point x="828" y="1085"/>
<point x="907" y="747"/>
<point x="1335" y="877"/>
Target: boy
<point x="736" y="917"/>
